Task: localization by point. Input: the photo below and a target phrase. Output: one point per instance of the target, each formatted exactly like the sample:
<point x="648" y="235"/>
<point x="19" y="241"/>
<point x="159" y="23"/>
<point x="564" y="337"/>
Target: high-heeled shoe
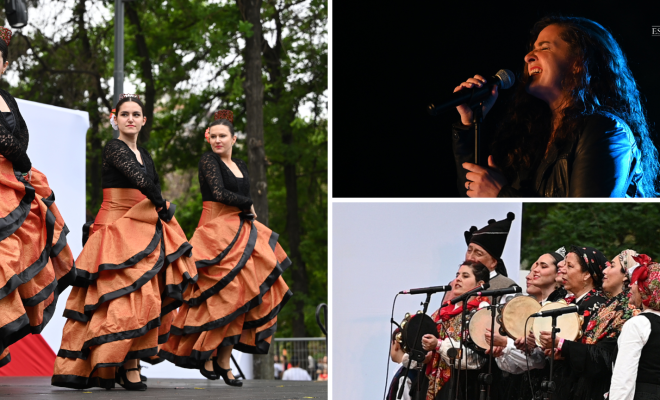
<point x="125" y="383"/>
<point x="223" y="373"/>
<point x="142" y="377"/>
<point x="209" y="374"/>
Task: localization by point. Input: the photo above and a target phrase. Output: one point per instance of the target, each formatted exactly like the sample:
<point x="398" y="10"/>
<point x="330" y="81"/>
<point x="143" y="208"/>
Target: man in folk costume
<point x="486" y="246"/>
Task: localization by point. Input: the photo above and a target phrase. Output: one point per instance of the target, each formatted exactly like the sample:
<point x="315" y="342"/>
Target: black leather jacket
<point x="604" y="161"/>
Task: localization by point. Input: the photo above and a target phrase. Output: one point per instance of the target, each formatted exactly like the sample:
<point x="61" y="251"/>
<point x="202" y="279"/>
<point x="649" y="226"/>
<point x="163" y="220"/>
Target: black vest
<point x="649" y="362"/>
<point x="394" y="386"/>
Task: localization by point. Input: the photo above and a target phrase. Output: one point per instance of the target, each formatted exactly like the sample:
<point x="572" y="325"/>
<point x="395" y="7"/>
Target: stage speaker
<point x="17" y="14"/>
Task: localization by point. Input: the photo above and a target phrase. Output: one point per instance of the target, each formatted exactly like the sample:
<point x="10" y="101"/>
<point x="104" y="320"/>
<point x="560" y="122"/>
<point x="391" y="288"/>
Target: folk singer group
<point x="607" y="349"/>
<point x="141" y="291"/>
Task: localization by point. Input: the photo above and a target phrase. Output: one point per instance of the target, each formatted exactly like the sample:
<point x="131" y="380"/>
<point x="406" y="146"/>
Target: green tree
<point x="608" y="227"/>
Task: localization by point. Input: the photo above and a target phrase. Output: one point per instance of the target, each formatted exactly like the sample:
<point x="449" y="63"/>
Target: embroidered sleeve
<point x="120" y="156"/>
<point x="209" y="170"/>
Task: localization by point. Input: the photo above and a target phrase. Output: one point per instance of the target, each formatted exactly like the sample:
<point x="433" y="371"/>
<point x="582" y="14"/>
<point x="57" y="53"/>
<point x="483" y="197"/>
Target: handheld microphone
<point x="557" y="312"/>
<point x="432" y="289"/>
<point x="504" y="79"/>
<point x="501" y="292"/>
<point x="467" y="294"/>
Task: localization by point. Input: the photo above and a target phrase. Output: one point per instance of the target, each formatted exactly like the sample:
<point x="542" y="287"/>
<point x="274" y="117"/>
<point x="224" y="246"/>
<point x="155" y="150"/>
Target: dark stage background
<point x="391" y="59"/>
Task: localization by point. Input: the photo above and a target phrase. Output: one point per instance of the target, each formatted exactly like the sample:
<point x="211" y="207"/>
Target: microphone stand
<point x="417" y="355"/>
<point x="476" y="121"/>
<point x="549" y="386"/>
<point x="460" y="351"/>
<point x="487" y="379"/>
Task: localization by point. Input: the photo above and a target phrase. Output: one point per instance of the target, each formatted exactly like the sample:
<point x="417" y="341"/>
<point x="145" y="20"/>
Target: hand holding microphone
<point x="475" y="83"/>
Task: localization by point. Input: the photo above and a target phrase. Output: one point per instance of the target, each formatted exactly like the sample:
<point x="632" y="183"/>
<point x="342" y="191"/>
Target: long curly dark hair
<point x="602" y="83"/>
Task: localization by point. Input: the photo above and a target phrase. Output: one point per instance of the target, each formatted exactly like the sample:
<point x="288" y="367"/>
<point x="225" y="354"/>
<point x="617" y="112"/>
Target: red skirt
<point x="36" y="264"/>
<point x="239" y="292"/>
<point x="132" y="275"/>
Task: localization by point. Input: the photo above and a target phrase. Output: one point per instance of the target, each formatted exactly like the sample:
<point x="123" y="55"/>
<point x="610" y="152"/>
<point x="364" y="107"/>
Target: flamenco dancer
<point x="576" y="127"/>
<point x="240" y="291"/>
<point x="36" y="264"/>
<point x="132" y="272"/>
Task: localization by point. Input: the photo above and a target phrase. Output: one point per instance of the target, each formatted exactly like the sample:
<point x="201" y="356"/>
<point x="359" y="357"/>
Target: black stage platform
<point x="167" y="389"/>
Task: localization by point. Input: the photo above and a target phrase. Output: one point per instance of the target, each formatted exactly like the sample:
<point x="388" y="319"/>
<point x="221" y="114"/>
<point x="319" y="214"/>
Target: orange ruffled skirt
<point x="239" y="292"/>
<point x="36" y="264"/>
<point x="132" y="275"/>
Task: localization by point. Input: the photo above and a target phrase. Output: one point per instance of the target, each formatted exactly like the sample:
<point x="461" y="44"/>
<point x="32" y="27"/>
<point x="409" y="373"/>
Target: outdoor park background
<point x="186" y="59"/>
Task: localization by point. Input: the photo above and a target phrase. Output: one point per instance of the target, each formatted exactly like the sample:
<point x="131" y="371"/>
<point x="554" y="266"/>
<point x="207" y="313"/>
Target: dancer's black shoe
<point x="142" y="377"/>
<point x="126" y="384"/>
<point x="224" y="374"/>
<point x="209" y="374"/>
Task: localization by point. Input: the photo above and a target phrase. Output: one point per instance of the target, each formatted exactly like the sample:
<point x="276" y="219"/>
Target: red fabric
<point x="30" y="356"/>
<point x="446" y="313"/>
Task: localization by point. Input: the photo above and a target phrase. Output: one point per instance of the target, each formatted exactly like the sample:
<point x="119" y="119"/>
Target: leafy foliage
<point x="608" y="227"/>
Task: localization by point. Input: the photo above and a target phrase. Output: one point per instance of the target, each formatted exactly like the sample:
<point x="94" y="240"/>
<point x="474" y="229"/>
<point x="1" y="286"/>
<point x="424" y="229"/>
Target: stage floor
<point x="167" y="389"/>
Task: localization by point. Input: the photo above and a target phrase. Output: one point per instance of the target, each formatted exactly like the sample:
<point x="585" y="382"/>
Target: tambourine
<point x="570" y="325"/>
<point x="479" y="322"/>
<point x="514" y="314"/>
<point x="408" y="334"/>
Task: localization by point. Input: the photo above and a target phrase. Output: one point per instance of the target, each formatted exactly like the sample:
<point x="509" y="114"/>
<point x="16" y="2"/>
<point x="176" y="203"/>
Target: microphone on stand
<point x="556" y="312"/>
<point x="504" y="79"/>
<point x="500" y="292"/>
<point x="432" y="289"/>
<point x="467" y="294"/>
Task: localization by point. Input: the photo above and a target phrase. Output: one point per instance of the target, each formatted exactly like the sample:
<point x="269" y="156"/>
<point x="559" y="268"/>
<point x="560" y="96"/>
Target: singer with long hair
<point x="576" y="126"/>
<point x="470" y="275"/>
<point x="240" y="291"/>
<point x="36" y="264"/>
<point x="132" y="272"/>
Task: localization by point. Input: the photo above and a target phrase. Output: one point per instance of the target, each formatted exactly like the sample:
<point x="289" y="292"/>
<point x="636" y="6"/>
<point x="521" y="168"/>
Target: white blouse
<point x="634" y="335"/>
<point x="514" y="361"/>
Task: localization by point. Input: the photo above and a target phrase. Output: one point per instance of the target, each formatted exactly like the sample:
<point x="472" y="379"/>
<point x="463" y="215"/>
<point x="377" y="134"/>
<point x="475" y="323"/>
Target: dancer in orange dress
<point x="132" y="272"/>
<point x="36" y="264"/>
<point x="240" y="290"/>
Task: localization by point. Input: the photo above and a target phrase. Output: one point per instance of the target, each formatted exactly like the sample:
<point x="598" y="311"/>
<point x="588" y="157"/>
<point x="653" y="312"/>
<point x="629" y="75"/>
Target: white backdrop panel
<point x="57" y="148"/>
<point x="380" y="249"/>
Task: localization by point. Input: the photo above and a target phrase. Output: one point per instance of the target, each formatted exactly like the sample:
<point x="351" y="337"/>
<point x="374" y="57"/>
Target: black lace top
<point x="14" y="135"/>
<point x="219" y="184"/>
<point x="121" y="169"/>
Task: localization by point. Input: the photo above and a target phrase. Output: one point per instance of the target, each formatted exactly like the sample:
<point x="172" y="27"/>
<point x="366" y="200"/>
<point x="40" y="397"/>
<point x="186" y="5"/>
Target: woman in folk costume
<point x="470" y="275"/>
<point x="636" y="374"/>
<point x="132" y="271"/>
<point x="240" y="290"/>
<point x="36" y="264"/>
<point x="589" y="360"/>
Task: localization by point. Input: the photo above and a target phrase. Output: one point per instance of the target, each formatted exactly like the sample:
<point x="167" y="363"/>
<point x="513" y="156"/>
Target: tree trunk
<point x="273" y="57"/>
<point x="254" y="99"/>
<point x="293" y="228"/>
<point x="146" y="73"/>
<point x="95" y="148"/>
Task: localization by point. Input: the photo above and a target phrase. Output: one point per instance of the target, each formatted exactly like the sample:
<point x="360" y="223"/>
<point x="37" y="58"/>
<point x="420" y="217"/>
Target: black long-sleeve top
<point x="219" y="184"/>
<point x="14" y="135"/>
<point x="121" y="169"/>
<point x="603" y="161"/>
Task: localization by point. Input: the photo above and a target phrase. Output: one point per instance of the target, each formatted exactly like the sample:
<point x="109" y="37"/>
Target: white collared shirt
<point x="296" y="374"/>
<point x="634" y="335"/>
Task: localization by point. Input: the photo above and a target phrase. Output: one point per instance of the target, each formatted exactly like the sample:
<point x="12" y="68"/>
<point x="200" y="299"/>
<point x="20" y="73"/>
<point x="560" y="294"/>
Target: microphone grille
<point x="507" y="77"/>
